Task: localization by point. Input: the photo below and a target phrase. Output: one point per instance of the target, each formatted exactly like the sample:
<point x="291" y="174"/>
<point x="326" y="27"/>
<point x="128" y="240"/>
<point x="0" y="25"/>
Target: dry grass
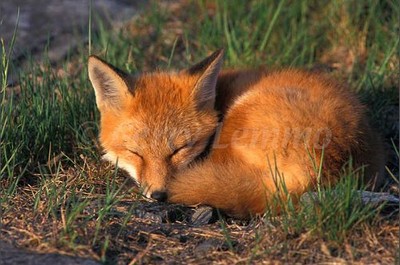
<point x="148" y="236"/>
<point x="66" y="200"/>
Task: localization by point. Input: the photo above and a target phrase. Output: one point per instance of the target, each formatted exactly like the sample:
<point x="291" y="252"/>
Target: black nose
<point x="160" y="196"/>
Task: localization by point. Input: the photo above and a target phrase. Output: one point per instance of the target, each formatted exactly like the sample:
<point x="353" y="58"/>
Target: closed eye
<point x="135" y="153"/>
<point x="183" y="147"/>
<point x="177" y="150"/>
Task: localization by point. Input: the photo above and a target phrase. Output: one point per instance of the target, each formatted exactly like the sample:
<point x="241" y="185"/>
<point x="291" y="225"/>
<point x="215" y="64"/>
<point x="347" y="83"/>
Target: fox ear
<point x="109" y="84"/>
<point x="207" y="72"/>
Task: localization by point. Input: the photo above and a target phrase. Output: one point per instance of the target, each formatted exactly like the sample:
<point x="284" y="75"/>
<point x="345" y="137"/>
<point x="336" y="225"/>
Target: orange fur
<point x="277" y="129"/>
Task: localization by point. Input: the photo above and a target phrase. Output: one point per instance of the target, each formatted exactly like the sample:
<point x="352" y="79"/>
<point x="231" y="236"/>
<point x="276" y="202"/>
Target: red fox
<point x="232" y="139"/>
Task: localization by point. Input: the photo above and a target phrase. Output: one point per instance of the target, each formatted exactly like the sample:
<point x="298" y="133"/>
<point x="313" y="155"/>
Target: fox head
<point x="155" y="124"/>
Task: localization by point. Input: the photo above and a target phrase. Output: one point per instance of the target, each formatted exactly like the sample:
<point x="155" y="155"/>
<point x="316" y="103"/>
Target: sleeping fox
<point x="232" y="139"/>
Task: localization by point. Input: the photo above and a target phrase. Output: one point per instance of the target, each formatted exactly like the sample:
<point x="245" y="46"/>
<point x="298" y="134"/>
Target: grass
<point x="58" y="196"/>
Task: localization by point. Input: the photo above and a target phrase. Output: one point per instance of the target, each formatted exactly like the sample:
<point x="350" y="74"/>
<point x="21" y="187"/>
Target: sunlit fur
<point x="279" y="131"/>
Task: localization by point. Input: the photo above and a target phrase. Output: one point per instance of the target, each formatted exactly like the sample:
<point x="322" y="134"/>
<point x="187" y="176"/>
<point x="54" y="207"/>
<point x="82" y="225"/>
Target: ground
<point x="58" y="196"/>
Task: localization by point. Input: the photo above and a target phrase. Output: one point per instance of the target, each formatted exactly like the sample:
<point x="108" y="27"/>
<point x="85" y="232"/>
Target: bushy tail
<point x="233" y="187"/>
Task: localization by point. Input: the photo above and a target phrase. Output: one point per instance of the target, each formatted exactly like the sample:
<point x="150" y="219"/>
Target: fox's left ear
<point x="207" y="72"/>
<point x="109" y="83"/>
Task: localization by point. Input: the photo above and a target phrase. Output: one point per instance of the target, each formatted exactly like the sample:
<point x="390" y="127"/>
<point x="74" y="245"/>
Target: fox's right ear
<point x="109" y="84"/>
<point x="206" y="72"/>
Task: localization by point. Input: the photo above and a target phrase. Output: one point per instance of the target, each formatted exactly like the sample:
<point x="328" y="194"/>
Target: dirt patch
<point x="55" y="27"/>
<point x="11" y="255"/>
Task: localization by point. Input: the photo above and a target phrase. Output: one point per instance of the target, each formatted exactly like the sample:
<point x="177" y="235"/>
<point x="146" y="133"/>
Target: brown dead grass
<point x="146" y="238"/>
<point x="149" y="238"/>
